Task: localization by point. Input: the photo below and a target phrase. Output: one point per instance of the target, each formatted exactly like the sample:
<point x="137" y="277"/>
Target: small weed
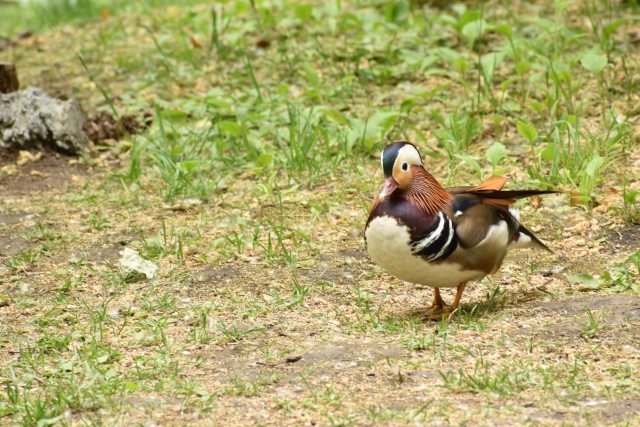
<point x="232" y="332"/>
<point x="623" y="277"/>
<point x="486" y="378"/>
<point x="100" y="222"/>
<point x="421" y="342"/>
<point x="577" y="157"/>
<point x="216" y="32"/>
<point x="43" y="232"/>
<point x="298" y="294"/>
<point x="239" y="387"/>
<point x="630" y="205"/>
<point x="591" y="327"/>
<point x="24" y="259"/>
<point x="457" y="133"/>
<point x="170" y="243"/>
<point x="203" y="322"/>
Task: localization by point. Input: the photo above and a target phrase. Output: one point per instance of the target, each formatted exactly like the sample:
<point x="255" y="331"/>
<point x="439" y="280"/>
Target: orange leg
<point x="456" y="301"/>
<point x="438" y="302"/>
<point x="440" y="309"/>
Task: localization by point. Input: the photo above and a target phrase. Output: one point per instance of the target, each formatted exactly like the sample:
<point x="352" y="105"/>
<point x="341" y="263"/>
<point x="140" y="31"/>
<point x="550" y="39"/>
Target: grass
<point x="53" y="13"/>
<point x="250" y="191"/>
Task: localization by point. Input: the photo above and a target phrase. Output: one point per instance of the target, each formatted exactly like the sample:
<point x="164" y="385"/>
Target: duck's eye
<point x="405" y="166"/>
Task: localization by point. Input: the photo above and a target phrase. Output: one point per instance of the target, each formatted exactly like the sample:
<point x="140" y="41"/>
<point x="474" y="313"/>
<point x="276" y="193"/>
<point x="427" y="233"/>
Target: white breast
<point x="388" y="246"/>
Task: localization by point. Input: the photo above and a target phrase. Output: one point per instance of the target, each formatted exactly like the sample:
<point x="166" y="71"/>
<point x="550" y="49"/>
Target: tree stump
<point x="8" y="78"/>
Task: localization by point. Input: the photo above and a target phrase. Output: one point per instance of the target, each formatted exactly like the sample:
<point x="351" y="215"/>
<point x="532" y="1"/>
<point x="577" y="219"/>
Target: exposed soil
<point x="617" y="307"/>
<point x="12" y="218"/>
<point x="11" y="245"/>
<point x="609" y="413"/>
<point x="345" y="273"/>
<point x="107" y="255"/>
<point x="628" y="237"/>
<point x="568" y="319"/>
<point x="53" y="172"/>
<point x="327" y="359"/>
<point x="215" y="275"/>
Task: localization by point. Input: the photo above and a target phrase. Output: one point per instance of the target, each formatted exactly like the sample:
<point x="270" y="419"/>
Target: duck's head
<point x="397" y="160"/>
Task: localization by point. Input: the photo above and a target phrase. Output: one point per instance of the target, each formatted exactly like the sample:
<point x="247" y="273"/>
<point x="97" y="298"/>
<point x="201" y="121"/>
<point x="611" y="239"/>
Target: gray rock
<point x="134" y="267"/>
<point x="31" y="119"/>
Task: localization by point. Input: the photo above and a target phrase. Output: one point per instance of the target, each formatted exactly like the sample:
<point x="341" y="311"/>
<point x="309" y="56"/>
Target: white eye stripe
<point x="409" y="155"/>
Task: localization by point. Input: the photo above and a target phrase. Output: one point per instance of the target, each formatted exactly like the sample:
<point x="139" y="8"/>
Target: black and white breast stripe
<point x="438" y="243"/>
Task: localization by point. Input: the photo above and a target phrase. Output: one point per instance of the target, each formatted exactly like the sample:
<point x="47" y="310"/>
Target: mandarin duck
<point x="440" y="237"/>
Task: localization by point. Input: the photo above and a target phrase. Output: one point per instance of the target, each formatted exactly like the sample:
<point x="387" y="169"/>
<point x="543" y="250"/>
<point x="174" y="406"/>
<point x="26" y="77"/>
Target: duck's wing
<point x="478" y="211"/>
<point x="490" y="192"/>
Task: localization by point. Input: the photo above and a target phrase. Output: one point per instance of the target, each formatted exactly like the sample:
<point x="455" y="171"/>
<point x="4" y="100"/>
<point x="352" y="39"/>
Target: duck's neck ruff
<point x="426" y="193"/>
